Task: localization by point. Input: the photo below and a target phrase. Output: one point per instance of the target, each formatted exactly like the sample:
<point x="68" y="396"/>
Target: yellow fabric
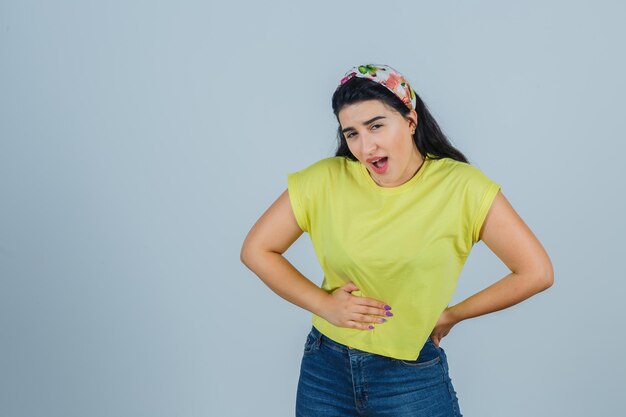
<point x="404" y="245"/>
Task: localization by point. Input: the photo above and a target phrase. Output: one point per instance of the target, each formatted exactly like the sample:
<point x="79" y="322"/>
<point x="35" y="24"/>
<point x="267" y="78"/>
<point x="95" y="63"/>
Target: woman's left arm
<point x="506" y="234"/>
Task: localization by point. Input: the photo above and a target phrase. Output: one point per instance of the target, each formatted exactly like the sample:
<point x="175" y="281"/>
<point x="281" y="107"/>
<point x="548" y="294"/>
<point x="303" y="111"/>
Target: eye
<point x="349" y="135"/>
<point x="376" y="126"/>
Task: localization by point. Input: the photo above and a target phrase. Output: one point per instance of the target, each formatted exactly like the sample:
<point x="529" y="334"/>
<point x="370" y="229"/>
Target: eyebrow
<point x="365" y="123"/>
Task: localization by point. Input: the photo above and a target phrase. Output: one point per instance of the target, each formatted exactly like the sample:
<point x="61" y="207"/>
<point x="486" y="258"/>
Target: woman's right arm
<point x="262" y="252"/>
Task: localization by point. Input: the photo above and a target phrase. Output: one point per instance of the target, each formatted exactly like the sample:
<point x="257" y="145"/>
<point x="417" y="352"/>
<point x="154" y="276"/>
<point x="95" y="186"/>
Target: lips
<point x="378" y="164"/>
<point x="373" y="158"/>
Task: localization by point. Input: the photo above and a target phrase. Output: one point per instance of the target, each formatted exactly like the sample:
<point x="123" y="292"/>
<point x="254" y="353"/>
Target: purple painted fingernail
<point x="389" y="313"/>
<point x="387" y="307"/>
<point x="371" y="327"/>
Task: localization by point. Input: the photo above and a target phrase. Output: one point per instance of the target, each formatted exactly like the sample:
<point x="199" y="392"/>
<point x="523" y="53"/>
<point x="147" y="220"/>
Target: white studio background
<point x="140" y="141"/>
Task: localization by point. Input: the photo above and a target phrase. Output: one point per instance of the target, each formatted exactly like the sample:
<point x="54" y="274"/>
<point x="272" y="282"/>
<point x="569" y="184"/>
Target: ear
<point x="412" y="119"/>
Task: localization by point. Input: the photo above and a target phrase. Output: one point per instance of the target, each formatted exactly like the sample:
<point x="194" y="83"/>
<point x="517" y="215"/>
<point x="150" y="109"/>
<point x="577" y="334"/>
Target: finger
<point x="380" y="305"/>
<point x="373" y="311"/>
<point x="366" y="318"/>
<point x="362" y="326"/>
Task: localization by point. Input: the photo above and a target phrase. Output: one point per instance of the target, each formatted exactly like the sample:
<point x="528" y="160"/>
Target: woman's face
<point x="373" y="130"/>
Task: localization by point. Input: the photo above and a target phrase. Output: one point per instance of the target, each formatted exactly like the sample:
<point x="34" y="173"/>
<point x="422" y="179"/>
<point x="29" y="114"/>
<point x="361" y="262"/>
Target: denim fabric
<point x="337" y="380"/>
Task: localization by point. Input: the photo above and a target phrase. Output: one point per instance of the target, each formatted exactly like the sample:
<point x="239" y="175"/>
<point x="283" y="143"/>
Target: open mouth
<point x="380" y="165"/>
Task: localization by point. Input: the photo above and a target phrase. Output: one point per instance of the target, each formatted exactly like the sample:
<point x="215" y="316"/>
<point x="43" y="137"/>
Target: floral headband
<point x="387" y="76"/>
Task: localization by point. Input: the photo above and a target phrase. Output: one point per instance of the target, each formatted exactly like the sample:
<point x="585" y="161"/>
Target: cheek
<point x="354" y="149"/>
<point x="408" y="144"/>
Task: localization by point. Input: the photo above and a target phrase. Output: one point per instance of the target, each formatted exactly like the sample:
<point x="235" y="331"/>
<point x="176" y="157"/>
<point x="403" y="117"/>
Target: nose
<point x="368" y="144"/>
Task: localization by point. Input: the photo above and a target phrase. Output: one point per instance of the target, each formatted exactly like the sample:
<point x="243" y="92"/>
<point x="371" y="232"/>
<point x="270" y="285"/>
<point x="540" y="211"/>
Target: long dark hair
<point x="428" y="136"/>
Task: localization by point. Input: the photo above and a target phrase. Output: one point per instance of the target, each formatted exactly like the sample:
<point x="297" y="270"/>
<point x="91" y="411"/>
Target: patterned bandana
<point x="387" y="76"/>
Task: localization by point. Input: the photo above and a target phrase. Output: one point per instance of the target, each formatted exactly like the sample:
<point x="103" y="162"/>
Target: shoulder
<point x="332" y="162"/>
<point x="307" y="185"/>
<point x="457" y="171"/>
<point x="325" y="167"/>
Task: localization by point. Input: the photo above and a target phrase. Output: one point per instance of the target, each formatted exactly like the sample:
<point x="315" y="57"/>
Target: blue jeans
<point x="337" y="380"/>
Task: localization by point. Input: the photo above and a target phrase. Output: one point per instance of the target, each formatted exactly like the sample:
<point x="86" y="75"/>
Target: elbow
<point x="538" y="278"/>
<point x="242" y="255"/>
<point x="248" y="250"/>
<point x="250" y="255"/>
<point x="245" y="255"/>
<point x="549" y="279"/>
<point x="548" y="272"/>
<point x="542" y="273"/>
<point x="545" y="276"/>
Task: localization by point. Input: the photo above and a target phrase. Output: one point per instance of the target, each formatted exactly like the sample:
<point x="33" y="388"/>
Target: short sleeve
<point x="481" y="191"/>
<point x="481" y="215"/>
<point x="295" y="197"/>
<point x="309" y="188"/>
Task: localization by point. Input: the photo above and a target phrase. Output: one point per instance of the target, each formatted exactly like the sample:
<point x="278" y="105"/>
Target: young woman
<point x="392" y="218"/>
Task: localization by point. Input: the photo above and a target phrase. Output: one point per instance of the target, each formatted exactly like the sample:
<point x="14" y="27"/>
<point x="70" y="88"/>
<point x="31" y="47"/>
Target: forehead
<point x="357" y="113"/>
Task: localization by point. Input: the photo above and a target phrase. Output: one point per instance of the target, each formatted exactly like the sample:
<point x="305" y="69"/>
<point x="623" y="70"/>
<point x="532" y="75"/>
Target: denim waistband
<point x="323" y="339"/>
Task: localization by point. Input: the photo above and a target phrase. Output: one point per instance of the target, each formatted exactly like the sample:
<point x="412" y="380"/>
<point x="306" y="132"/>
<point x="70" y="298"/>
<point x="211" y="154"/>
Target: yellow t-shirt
<point x="403" y="245"/>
